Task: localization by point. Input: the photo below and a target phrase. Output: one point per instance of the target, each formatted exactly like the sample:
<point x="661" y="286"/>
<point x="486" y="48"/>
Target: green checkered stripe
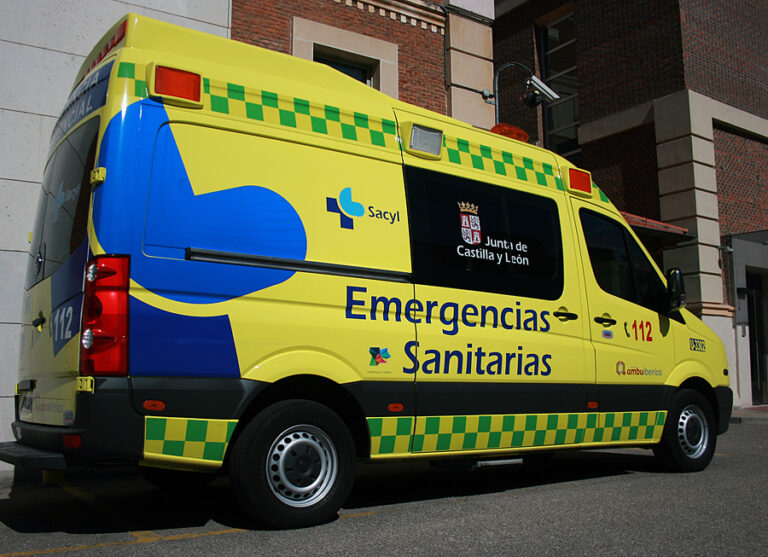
<point x="396" y="436"/>
<point x="269" y="107"/>
<point x="602" y="196"/>
<point x="631" y="426"/>
<point x="501" y="163"/>
<point x="187" y="438"/>
<point x="300" y="114"/>
<point x="390" y="435"/>
<point x="132" y="72"/>
<point x="469" y="433"/>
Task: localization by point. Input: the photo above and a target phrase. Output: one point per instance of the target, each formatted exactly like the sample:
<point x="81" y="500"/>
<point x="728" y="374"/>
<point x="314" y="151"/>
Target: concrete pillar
<point x="688" y="197"/>
<point x="469" y="61"/>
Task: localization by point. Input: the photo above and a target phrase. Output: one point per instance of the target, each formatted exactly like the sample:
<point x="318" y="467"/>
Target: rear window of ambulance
<point x="62" y="211"/>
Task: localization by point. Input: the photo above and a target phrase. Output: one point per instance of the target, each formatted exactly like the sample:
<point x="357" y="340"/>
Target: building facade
<point x="434" y="54"/>
<point x="666" y="104"/>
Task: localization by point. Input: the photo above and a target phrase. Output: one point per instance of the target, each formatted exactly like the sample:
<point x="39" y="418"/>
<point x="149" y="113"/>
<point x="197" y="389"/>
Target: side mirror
<point x="675" y="290"/>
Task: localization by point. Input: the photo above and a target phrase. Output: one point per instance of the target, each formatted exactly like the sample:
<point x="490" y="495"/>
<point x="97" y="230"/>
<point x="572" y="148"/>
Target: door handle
<point x="605" y="321"/>
<point x="38" y="322"/>
<point x="565" y="315"/>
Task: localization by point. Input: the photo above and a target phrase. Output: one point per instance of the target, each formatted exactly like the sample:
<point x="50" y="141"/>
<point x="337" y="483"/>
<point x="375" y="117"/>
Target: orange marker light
<point x="580" y="180"/>
<point x="592" y="405"/>
<point x="395" y="407"/>
<point x="153" y="405"/>
<point x="177" y="83"/>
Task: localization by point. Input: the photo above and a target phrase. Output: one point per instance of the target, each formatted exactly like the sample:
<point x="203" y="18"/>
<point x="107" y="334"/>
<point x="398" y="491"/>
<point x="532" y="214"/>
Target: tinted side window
<point x="608" y="255"/>
<point x="651" y="292"/>
<point x="619" y="264"/>
<point x="62" y="213"/>
<point x="475" y="236"/>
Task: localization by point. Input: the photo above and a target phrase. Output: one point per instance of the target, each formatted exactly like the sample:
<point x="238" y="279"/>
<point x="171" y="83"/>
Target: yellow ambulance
<point x="248" y="262"/>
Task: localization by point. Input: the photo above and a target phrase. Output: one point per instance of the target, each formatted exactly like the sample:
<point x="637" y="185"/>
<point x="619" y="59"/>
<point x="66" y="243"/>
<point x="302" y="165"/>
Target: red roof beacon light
<point x="513" y="132"/>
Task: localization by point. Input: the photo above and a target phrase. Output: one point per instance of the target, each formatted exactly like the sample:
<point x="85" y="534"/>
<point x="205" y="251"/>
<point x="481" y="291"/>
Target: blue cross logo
<point x="345" y="207"/>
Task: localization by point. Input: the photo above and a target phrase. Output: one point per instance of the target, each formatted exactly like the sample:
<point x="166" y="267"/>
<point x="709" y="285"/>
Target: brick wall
<point x="268" y="23"/>
<point x="624" y="166"/>
<point x="629" y="53"/>
<point x="742" y="183"/>
<point x="725" y="53"/>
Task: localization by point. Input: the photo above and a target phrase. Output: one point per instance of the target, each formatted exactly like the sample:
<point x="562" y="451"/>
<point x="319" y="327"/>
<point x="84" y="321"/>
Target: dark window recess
<point x="356" y="66"/>
<point x="355" y="72"/>
<point x="474" y="236"/>
<point x="619" y="264"/>
<point x="62" y="212"/>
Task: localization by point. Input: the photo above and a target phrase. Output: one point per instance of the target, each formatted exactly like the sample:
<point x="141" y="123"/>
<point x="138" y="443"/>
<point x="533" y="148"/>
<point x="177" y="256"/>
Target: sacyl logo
<point x="348" y="210"/>
<point x="345" y="207"/>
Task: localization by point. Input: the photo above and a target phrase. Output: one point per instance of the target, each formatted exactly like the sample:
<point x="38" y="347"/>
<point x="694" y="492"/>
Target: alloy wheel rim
<point x="693" y="431"/>
<point x="301" y="465"/>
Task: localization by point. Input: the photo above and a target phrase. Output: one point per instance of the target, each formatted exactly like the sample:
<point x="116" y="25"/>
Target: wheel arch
<point x="317" y="389"/>
<point x="702" y="386"/>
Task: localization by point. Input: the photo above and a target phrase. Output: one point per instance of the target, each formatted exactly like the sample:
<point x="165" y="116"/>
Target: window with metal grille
<point x="557" y="43"/>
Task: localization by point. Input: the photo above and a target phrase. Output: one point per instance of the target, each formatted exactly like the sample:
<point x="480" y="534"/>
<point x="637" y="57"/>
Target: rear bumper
<point x="24" y="456"/>
<point x="109" y="423"/>
<point x="106" y="428"/>
<point x="724" y="397"/>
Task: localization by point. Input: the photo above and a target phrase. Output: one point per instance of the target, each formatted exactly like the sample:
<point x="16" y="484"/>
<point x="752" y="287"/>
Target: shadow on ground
<point x="120" y="500"/>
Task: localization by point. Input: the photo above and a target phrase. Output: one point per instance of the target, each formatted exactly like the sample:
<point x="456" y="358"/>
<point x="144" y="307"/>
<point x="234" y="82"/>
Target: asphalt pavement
<point x="606" y="502"/>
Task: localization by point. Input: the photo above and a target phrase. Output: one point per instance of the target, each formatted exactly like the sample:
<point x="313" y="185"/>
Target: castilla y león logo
<point x="378" y="355"/>
<point x="620" y="368"/>
<point x="470" y="223"/>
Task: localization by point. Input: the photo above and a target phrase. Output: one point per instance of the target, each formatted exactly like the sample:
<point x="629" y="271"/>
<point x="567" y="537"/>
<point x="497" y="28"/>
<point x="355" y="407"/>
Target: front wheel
<point x="293" y="465"/>
<point x="689" y="438"/>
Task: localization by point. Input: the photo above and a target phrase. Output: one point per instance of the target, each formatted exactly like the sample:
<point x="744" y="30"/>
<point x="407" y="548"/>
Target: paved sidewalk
<point x="750" y="414"/>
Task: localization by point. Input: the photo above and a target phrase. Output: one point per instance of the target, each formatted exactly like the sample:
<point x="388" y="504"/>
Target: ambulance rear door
<point x="49" y="364"/>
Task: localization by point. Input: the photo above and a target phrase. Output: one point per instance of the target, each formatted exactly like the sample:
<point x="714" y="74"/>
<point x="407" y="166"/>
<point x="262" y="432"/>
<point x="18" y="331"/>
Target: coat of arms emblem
<point x="470" y="223"/>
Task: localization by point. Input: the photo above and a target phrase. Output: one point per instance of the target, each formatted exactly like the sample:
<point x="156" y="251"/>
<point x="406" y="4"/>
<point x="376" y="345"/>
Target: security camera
<point x="541" y="88"/>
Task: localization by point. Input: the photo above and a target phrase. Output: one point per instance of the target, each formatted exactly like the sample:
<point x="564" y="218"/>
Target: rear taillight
<point x="104" y="332"/>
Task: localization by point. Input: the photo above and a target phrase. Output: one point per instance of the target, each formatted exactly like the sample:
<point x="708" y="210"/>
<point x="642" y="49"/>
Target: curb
<point x="743" y="416"/>
<point x="749" y="419"/>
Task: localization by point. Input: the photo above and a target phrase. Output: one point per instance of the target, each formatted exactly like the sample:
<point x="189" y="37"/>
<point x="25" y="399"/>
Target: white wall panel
<point x="42" y="46"/>
<point x="23" y="146"/>
<point x="18" y="202"/>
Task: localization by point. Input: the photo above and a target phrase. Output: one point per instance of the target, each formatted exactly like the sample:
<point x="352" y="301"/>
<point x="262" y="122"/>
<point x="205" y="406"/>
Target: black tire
<point x="170" y="480"/>
<point x="690" y="436"/>
<point x="293" y="465"/>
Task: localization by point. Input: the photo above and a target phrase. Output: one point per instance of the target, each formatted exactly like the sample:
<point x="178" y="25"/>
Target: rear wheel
<point x="689" y="438"/>
<point x="293" y="465"/>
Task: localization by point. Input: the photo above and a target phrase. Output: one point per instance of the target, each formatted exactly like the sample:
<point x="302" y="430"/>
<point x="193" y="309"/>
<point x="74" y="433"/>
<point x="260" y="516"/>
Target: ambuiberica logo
<point x="622" y="369"/>
<point x="349" y="210"/>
